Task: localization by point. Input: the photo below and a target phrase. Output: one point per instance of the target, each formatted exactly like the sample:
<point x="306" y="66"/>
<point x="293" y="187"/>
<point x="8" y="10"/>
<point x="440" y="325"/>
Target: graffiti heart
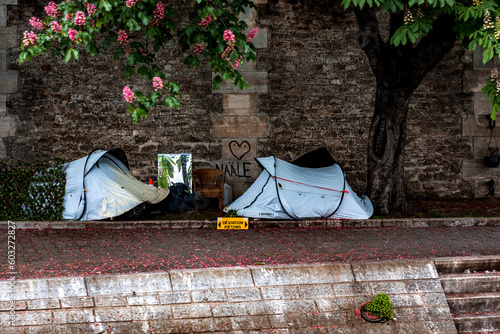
<point x="239" y="150"/>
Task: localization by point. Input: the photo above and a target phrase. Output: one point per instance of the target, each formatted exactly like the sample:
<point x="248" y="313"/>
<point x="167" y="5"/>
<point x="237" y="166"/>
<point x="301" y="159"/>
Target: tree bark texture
<point x="398" y="72"/>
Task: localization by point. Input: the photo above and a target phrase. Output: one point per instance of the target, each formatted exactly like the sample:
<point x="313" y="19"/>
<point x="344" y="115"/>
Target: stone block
<point x="192" y="311"/>
<point x="229" y="310"/>
<point x="247" y="323"/>
<point x="351" y="289"/>
<point x="477" y="126"/>
<point x="8" y="126"/>
<point x="435" y="300"/>
<point x="9" y="38"/>
<point x="143" y="300"/>
<point x="175" y="297"/>
<point x="390" y="288"/>
<point x="482" y="104"/>
<point x="407" y="300"/>
<point x="33" y="318"/>
<point x="77" y="302"/>
<point x="280" y="292"/>
<point x="474" y="81"/>
<point x="302" y="274"/>
<point x="257" y="81"/>
<point x="209" y="296"/>
<point x="3" y="18"/>
<point x="110" y="301"/>
<point x="9" y="2"/>
<point x="3" y="104"/>
<point x="248" y="66"/>
<point x="43" y="304"/>
<point x="250" y="14"/>
<point x="241" y="295"/>
<point x="152" y="312"/>
<point x="391" y="271"/>
<point x="316" y="291"/>
<point x="109" y="314"/>
<point x="260" y="2"/>
<point x="480" y="146"/>
<point x="239" y="104"/>
<point x="299" y="306"/>
<point x="337" y="304"/>
<point x="20" y="305"/>
<point x="432" y="313"/>
<point x="265" y="307"/>
<point x="128" y="284"/>
<point x="417" y="286"/>
<point x="476" y="169"/>
<point x="44" y="288"/>
<point x="240" y="126"/>
<point x="73" y="316"/>
<point x="9" y="82"/>
<point x="477" y="60"/>
<point x="213" y="278"/>
<point x="136" y="327"/>
<point x="260" y="39"/>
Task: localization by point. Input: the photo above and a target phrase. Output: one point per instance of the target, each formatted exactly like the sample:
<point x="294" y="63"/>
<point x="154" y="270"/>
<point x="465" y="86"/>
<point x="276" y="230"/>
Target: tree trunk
<point x="386" y="150"/>
<point x="398" y="72"/>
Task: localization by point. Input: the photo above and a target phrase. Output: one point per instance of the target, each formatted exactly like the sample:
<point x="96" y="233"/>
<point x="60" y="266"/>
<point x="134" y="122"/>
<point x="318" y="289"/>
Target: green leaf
<point x="144" y="72"/>
<point x="68" y="55"/>
<point x="106" y="5"/>
<point x="118" y="53"/>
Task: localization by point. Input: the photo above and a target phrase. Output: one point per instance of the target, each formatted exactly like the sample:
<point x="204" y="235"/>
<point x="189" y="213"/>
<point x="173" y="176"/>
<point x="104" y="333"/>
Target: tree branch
<point x="369" y="38"/>
<point x="431" y="49"/>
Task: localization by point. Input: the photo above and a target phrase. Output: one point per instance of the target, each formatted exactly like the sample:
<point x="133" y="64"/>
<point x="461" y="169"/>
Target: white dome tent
<point x="101" y="186"/>
<point x="287" y="191"/>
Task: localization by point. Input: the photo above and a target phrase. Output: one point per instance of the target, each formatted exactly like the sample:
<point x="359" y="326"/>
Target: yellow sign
<point x="239" y="223"/>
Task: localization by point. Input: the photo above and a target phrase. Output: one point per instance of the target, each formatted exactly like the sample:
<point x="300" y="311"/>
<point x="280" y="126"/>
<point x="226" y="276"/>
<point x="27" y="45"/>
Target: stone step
<point x="471" y="263"/>
<point x="473" y="282"/>
<point x="474" y="302"/>
<point x="478" y="323"/>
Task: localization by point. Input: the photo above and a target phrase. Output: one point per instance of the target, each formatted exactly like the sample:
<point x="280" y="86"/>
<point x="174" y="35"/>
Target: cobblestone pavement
<point x="55" y="252"/>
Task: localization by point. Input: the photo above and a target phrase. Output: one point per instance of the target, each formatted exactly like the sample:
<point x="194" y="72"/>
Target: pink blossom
<point x="251" y="34"/>
<point x="51" y="9"/>
<point x="206" y="21"/>
<point x="80" y="18"/>
<point x="72" y="34"/>
<point x="130" y="3"/>
<point x="159" y="11"/>
<point x="229" y="37"/>
<point x="37" y="23"/>
<point x="91" y="9"/>
<point x="157" y="83"/>
<point x="198" y="47"/>
<point x="29" y="38"/>
<point x="128" y="94"/>
<point x="122" y="37"/>
<point x="54" y="25"/>
<point x="68" y="17"/>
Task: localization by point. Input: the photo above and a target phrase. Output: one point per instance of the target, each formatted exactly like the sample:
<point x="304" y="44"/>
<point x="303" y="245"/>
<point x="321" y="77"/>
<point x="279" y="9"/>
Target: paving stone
<point x="152" y="312"/>
<point x="316" y="291"/>
<point x="143" y="300"/>
<point x="44" y="288"/>
<point x="110" y="301"/>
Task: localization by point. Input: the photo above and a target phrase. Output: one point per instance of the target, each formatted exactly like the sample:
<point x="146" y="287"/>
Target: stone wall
<point x="257" y="299"/>
<point x="311" y="87"/>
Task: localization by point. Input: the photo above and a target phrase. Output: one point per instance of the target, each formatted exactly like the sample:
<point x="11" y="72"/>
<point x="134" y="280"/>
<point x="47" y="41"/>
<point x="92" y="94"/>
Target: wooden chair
<point x="210" y="183"/>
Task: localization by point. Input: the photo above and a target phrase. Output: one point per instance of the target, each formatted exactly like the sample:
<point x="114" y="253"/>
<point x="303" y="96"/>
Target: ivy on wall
<point x="32" y="190"/>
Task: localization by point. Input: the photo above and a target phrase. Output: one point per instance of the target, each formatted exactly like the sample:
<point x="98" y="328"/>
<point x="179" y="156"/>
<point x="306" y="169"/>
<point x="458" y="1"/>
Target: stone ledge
<point x="9" y="37"/>
<point x="128" y="284"/>
<point x="389" y="271"/>
<point x="9" y="2"/>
